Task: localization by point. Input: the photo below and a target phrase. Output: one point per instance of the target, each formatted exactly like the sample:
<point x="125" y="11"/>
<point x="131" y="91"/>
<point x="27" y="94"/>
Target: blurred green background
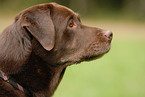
<point x="121" y="72"/>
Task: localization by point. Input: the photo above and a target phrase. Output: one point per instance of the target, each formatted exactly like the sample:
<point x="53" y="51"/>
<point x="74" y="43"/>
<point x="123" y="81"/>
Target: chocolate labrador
<point x="38" y="46"/>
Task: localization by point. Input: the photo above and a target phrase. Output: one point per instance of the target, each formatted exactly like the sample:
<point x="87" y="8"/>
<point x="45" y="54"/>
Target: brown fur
<point x="38" y="46"/>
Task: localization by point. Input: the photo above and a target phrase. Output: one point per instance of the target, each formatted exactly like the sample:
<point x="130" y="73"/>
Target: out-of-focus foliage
<point x="104" y="8"/>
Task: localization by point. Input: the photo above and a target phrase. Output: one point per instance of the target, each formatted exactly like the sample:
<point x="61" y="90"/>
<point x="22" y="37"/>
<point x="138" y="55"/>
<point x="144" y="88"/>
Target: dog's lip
<point x="93" y="57"/>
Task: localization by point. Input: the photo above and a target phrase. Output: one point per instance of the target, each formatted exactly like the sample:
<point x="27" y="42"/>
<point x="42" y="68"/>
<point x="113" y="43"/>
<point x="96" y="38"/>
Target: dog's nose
<point x="108" y="34"/>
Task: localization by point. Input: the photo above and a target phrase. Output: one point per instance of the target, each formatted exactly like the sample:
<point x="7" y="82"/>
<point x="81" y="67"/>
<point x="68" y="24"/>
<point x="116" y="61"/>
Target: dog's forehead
<point x="63" y="8"/>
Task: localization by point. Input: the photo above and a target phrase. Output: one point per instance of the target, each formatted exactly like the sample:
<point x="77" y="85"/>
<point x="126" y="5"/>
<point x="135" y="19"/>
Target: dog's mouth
<point x="94" y="56"/>
<point x="86" y="58"/>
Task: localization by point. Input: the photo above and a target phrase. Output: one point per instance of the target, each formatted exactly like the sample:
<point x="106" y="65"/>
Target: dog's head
<point x="58" y="36"/>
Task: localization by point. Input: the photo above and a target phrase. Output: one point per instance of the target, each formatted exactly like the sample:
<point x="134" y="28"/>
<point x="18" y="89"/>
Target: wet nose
<point x="108" y="34"/>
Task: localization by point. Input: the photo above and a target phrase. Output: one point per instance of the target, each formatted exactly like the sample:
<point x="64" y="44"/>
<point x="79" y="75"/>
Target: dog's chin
<point x="89" y="57"/>
<point x="94" y="56"/>
<point x="84" y="59"/>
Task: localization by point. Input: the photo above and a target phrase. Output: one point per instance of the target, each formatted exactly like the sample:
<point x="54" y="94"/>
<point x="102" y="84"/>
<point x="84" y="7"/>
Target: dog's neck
<point x="40" y="78"/>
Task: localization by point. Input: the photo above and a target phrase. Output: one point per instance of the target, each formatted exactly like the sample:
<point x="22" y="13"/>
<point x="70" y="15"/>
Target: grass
<point x="120" y="73"/>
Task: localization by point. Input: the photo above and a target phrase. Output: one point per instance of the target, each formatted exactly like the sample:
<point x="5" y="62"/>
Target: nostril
<point x="108" y="34"/>
<point x="111" y="36"/>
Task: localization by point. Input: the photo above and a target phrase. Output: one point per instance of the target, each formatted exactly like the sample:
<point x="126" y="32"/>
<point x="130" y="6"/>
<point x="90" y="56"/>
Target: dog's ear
<point x="39" y="23"/>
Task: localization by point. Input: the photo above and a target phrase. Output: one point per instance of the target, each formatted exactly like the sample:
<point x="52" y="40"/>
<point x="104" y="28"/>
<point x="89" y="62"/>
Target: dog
<point x="38" y="46"/>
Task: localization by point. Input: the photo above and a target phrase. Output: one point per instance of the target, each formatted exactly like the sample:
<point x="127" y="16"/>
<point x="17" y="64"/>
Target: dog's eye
<point x="71" y="24"/>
